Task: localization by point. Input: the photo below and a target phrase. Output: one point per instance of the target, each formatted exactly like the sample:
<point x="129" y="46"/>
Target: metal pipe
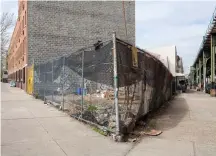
<point x="33" y="78"/>
<point x="115" y="76"/>
<point x="52" y="81"/>
<point x="44" y="86"/>
<point x="63" y="83"/>
<point x="82" y="90"/>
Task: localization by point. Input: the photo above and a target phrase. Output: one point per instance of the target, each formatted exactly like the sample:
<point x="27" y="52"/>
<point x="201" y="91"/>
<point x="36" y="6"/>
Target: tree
<point x="7" y="21"/>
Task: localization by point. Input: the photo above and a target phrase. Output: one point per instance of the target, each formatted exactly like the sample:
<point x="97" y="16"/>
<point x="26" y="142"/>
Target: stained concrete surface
<point x="30" y="128"/>
<point x="189" y="128"/>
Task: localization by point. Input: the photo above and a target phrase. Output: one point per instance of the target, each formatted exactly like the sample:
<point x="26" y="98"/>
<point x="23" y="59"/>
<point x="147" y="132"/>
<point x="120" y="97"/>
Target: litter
<point x="153" y="132"/>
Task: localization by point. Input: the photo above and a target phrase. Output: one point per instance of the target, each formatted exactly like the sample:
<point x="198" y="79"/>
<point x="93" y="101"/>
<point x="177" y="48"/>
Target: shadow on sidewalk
<point x="171" y="114"/>
<point x="166" y="117"/>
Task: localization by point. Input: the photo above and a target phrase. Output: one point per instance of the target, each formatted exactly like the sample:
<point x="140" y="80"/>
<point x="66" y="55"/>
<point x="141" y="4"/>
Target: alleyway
<point x="30" y="128"/>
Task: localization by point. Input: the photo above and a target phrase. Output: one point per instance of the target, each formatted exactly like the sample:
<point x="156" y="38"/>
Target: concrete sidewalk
<point x="30" y="128"/>
<point x="189" y="128"/>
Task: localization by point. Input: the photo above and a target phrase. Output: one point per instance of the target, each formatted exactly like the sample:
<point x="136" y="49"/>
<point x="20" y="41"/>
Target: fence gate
<point x="30" y="76"/>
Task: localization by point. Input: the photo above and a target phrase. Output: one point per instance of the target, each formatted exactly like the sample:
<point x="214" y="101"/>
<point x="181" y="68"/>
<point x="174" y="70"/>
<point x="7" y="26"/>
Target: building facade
<point x="168" y="56"/>
<point x="17" y="52"/>
<point x="49" y="29"/>
<point x="179" y="65"/>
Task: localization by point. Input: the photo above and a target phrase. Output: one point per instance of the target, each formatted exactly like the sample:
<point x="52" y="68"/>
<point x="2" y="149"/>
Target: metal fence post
<point x="63" y="83"/>
<point x="44" y="86"/>
<point x="82" y="83"/>
<point x="33" y="77"/>
<point x="115" y="84"/>
<point x="39" y="77"/>
<point x="52" y="80"/>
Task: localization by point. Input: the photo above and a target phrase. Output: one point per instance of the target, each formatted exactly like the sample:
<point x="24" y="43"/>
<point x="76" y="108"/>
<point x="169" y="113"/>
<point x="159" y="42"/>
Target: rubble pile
<point x="99" y="108"/>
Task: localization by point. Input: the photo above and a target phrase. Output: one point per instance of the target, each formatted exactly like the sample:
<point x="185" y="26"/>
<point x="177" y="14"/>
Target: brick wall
<point x="58" y="28"/>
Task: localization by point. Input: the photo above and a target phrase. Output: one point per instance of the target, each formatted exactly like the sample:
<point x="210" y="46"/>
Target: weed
<point x="92" y="108"/>
<point x="36" y="95"/>
<point x="98" y="130"/>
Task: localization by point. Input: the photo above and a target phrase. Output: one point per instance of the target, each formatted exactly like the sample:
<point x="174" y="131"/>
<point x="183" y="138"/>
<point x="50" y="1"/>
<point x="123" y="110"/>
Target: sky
<point x="170" y="23"/>
<point x="164" y="23"/>
<point x="10" y="6"/>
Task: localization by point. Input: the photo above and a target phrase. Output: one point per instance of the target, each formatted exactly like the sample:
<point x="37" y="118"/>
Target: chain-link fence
<point x="143" y="86"/>
<point x="83" y="84"/>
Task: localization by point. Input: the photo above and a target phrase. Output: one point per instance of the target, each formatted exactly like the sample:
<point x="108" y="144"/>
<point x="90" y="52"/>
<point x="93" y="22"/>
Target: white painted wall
<point x="163" y="53"/>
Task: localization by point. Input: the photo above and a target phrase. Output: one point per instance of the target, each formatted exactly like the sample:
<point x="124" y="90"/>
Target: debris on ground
<point x="141" y="123"/>
<point x="132" y="140"/>
<point x="153" y="132"/>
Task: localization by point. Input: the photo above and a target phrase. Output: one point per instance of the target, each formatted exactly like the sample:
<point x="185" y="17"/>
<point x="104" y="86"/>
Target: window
<point x="25" y="18"/>
<point x="23" y="58"/>
<point x="23" y="22"/>
<point x="23" y="32"/>
<point x="23" y="47"/>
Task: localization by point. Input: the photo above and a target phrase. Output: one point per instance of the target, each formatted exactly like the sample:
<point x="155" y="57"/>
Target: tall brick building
<point x="49" y="29"/>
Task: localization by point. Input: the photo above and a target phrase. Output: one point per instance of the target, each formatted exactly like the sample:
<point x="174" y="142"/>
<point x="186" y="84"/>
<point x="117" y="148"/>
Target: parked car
<point x="5" y="76"/>
<point x="209" y="87"/>
<point x="183" y="85"/>
<point x="184" y="88"/>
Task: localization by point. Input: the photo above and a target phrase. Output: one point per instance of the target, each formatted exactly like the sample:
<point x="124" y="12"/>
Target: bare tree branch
<point x="6" y="21"/>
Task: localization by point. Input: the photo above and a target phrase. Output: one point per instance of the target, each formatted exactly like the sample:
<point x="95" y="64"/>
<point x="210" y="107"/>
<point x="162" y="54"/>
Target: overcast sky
<point x="164" y="23"/>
